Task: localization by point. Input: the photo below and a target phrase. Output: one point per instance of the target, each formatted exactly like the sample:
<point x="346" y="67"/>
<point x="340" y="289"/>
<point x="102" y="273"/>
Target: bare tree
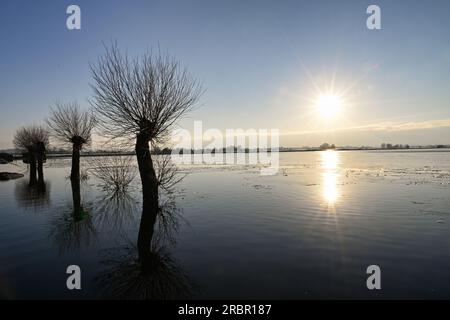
<point x="33" y="141"/>
<point x="141" y="99"/>
<point x="70" y="124"/>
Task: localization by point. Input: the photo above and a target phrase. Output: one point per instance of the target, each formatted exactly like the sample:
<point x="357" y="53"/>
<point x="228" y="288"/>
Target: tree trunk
<point x="145" y="236"/>
<point x="75" y="172"/>
<point x="150" y="204"/>
<point x="40" y="169"/>
<point x="32" y="159"/>
<point x="40" y="155"/>
<point x="76" y="198"/>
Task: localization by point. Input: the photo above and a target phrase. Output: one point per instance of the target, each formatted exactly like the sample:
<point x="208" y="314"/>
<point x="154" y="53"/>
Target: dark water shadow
<point x="33" y="195"/>
<point x="74" y="227"/>
<point x="116" y="209"/>
<point x="146" y="270"/>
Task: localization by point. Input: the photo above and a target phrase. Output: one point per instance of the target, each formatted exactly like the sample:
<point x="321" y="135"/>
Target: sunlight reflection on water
<point x="329" y="162"/>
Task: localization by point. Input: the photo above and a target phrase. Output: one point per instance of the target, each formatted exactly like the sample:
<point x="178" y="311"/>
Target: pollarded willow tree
<point x="70" y="124"/>
<point x="142" y="99"/>
<point x="33" y="141"/>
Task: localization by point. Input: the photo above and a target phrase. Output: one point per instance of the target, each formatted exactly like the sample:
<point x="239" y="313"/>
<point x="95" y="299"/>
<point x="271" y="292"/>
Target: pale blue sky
<point x="258" y="60"/>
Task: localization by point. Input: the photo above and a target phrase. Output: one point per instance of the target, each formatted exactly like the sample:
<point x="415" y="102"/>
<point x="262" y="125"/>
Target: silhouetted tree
<point x="33" y="142"/>
<point x="69" y="124"/>
<point x="141" y="99"/>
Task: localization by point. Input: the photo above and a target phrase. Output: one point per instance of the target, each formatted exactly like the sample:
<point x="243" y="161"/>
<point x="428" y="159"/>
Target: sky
<point x="263" y="64"/>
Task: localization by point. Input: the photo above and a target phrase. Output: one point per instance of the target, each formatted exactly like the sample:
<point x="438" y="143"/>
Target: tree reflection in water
<point x="75" y="227"/>
<point x="32" y="194"/>
<point x="146" y="270"/>
<point x="116" y="206"/>
<point x="116" y="173"/>
<point x="116" y="209"/>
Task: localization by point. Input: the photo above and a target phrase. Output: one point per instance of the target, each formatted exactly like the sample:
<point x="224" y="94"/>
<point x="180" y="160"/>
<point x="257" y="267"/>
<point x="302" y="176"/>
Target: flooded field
<point x="310" y="231"/>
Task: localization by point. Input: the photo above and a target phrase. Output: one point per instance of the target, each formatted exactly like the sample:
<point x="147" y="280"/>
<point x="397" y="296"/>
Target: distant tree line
<point x="396" y="146"/>
<point x="327" y="146"/>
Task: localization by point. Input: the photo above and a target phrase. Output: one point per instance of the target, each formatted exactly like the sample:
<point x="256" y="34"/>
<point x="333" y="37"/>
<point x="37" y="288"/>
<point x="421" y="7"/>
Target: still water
<point x="310" y="231"/>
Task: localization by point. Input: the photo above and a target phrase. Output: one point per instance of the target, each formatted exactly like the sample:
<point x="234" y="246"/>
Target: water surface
<point x="309" y="231"/>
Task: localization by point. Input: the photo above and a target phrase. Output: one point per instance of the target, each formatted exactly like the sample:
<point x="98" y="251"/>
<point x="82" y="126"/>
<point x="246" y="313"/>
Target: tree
<point x="141" y="99"/>
<point x="24" y="143"/>
<point x="325" y="146"/>
<point x="33" y="141"/>
<point x="70" y="124"/>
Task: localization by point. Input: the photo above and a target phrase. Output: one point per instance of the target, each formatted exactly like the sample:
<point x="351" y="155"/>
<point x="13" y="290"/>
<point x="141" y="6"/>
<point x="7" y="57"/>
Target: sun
<point x="329" y="105"/>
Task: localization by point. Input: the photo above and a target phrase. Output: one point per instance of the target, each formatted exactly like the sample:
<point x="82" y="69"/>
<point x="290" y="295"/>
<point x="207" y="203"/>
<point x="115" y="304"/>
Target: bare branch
<point x="28" y="138"/>
<point x="69" y="124"/>
<point x="146" y="95"/>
